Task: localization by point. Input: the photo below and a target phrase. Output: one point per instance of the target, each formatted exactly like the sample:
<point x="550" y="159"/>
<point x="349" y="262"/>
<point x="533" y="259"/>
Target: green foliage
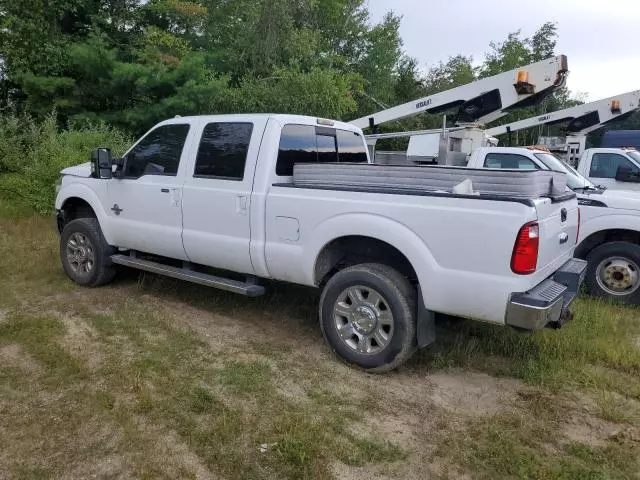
<point x="33" y="153"/>
<point x="132" y="63"/>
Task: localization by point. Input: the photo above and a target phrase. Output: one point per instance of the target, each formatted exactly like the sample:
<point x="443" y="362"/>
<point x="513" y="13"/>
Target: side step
<point x="248" y="289"/>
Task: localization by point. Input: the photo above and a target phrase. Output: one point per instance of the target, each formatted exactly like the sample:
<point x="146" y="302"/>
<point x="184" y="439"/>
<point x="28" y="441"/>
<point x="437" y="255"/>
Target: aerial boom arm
<point x="581" y="119"/>
<point x="489" y="97"/>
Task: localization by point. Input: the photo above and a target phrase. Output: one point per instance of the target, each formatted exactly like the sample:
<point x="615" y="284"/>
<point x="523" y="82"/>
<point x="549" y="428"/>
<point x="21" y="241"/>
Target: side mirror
<point x="101" y="163"/>
<point x="626" y="174"/>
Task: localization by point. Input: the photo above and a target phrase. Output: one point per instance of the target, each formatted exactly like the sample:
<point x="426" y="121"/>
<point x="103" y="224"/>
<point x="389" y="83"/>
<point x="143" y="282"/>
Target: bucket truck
<point x="474" y="104"/>
<point x="581" y="120"/>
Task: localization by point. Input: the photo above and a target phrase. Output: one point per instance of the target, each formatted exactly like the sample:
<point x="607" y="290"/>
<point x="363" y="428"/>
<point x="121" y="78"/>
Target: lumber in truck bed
<point x="496" y="182"/>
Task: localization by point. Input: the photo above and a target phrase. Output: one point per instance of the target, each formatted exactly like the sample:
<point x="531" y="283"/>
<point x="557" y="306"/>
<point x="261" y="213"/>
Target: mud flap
<point x="426" y="331"/>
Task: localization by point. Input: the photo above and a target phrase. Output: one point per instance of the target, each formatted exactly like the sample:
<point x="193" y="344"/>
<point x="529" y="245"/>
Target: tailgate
<point x="558" y="230"/>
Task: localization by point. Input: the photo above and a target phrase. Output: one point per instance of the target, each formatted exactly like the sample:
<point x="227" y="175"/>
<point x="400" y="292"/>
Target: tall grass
<point x="32" y="153"/>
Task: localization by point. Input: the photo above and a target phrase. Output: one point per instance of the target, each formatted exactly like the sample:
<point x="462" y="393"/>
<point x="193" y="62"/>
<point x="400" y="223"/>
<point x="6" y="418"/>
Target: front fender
<point x="381" y="228"/>
<point x="609" y="222"/>
<point x="84" y="192"/>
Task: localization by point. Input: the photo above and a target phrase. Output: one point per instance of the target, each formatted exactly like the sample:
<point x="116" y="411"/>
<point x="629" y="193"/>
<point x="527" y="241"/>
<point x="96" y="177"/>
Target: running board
<point x="235" y="286"/>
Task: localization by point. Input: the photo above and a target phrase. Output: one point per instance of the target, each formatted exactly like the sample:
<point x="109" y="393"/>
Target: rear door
<point x="217" y="194"/>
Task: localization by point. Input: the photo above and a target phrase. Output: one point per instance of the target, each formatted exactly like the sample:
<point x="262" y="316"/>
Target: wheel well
<point x="599" y="238"/>
<point x="72" y="209"/>
<point x="352" y="250"/>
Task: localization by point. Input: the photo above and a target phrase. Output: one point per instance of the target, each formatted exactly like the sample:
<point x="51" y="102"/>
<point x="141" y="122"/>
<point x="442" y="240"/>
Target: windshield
<point x="634" y="154"/>
<point x="574" y="179"/>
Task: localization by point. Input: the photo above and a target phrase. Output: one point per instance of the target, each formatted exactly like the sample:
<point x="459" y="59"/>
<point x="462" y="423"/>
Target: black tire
<point x="94" y="248"/>
<point x="397" y="292"/>
<point x="621" y="250"/>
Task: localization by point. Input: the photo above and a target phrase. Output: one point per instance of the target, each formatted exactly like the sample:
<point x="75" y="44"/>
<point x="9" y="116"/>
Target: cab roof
<point x="283" y="119"/>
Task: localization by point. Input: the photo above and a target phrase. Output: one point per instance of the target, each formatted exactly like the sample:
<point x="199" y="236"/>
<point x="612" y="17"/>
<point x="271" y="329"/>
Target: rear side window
<point x="510" y="161"/>
<point x="223" y="150"/>
<point x="605" y="165"/>
<point x="158" y="153"/>
<point x="309" y="144"/>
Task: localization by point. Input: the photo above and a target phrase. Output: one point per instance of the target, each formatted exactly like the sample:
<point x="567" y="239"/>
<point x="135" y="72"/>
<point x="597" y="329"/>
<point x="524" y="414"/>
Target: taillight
<point x="524" y="259"/>
<point x="578" y="233"/>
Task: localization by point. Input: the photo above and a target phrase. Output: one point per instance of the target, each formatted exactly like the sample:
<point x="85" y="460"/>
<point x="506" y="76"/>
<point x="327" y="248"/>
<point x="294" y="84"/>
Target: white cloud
<point x="600" y="38"/>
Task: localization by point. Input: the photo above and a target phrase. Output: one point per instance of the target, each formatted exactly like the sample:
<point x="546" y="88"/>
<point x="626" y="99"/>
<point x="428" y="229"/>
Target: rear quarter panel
<point x="460" y="248"/>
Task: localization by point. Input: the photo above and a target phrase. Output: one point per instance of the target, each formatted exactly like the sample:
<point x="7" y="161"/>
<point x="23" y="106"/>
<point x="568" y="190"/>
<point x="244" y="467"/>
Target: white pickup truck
<point x="614" y="168"/>
<point x="610" y="220"/>
<point x="220" y="192"/>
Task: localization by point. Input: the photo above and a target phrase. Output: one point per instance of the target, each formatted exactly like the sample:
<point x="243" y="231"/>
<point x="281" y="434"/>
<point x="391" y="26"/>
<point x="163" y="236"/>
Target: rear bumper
<point x="547" y="304"/>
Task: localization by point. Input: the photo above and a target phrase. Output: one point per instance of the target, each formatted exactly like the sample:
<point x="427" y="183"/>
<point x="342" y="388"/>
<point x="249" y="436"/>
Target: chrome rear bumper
<point x="547" y="304"/>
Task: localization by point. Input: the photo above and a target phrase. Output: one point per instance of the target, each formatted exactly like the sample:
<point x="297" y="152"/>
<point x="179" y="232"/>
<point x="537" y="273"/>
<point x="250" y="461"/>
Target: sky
<point x="601" y="38"/>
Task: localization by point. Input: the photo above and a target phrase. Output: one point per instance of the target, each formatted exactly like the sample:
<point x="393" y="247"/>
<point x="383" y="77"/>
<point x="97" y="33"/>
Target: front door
<point x="217" y="195"/>
<point x="604" y="167"/>
<point x="146" y="205"/>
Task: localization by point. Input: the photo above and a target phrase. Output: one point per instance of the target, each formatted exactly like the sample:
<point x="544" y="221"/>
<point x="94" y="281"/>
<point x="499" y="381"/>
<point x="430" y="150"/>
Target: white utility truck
<point x="610" y="221"/>
<point x="482" y="101"/>
<point x="614" y="168"/>
<point x="294" y="198"/>
<point x="580" y="120"/>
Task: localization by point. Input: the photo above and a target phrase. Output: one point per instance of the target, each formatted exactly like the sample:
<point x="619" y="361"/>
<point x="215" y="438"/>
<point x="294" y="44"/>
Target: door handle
<point x="164" y="190"/>
<point x="241" y="204"/>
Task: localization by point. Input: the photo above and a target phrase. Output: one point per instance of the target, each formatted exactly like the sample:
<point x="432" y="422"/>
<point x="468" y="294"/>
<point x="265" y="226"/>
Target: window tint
<point x="605" y="165"/>
<point x="351" y="148"/>
<point x="509" y="160"/>
<point x="297" y="145"/>
<point x="223" y="150"/>
<point x="158" y="153"/>
<point x="327" y="149"/>
<point x="309" y="144"/>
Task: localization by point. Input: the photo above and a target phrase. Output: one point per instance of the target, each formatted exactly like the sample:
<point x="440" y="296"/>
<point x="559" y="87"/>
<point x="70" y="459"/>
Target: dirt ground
<point x="152" y="378"/>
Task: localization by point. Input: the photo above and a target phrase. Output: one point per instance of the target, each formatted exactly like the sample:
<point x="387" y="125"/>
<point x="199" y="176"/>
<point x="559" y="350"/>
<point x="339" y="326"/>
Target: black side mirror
<point x="101" y="163"/>
<point x="626" y="174"/>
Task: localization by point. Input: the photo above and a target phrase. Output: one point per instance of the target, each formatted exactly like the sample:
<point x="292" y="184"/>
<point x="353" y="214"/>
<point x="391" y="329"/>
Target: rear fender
<point x="380" y="228"/>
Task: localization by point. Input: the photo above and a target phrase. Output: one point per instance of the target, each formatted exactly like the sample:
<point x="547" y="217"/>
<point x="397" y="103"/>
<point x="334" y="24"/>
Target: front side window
<point x="158" y="153"/>
<point x="223" y="150"/>
<point x="605" y="165"/>
<point x="510" y="161"/>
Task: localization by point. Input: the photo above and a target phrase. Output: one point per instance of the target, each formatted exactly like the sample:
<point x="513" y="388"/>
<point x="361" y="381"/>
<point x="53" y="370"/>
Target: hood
<point x="622" y="199"/>
<point x="83" y="170"/>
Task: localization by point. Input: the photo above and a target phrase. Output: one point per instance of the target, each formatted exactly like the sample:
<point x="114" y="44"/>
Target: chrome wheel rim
<point x="618" y="276"/>
<point x="363" y="320"/>
<point x="80" y="254"/>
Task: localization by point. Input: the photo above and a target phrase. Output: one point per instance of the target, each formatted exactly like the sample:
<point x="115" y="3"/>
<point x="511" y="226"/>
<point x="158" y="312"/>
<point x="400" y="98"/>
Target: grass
<point x="153" y="378"/>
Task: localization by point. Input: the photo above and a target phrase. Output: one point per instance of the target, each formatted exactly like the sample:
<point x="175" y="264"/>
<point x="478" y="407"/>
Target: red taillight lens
<point x="579" y="220"/>
<point x="525" y="252"/>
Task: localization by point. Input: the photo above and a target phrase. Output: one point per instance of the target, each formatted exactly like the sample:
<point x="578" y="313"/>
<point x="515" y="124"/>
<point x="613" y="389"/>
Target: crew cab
<point x="614" y="168"/>
<point x="230" y="193"/>
<point x="610" y="219"/>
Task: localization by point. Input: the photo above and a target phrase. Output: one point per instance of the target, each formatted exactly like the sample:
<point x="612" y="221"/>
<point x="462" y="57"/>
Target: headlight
<point x="59" y="184"/>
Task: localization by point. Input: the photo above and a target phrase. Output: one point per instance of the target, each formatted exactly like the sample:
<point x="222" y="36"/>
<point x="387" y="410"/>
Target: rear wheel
<point x="368" y="316"/>
<point x="614" y="272"/>
<point x="85" y="254"/>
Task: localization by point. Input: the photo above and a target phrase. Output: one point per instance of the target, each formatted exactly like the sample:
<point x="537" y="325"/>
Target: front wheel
<point x="85" y="254"/>
<point x="368" y="316"/>
<point x="614" y="272"/>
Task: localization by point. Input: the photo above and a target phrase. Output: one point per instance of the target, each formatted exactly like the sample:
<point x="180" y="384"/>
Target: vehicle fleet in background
<point x="606" y="179"/>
